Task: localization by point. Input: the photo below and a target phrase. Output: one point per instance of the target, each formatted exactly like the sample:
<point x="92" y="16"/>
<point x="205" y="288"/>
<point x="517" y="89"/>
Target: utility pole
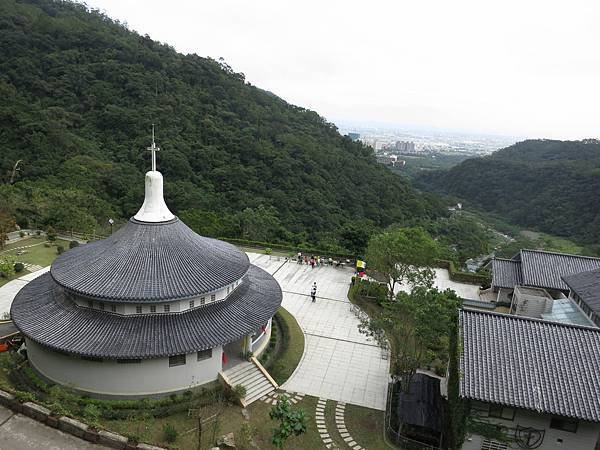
<point x="14" y="171"/>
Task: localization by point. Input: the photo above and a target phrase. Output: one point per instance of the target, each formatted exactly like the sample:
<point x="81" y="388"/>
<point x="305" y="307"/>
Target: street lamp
<point x="111" y="224"/>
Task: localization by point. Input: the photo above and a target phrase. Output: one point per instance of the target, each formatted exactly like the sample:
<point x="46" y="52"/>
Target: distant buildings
<point x="405" y="146"/>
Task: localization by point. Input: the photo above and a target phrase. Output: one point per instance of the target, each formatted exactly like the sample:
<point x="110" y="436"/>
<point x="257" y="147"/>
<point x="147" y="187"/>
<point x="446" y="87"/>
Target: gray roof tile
<point x="150" y="262"/>
<point x="42" y="312"/>
<point x="546" y="269"/>
<point x="527" y="363"/>
<point x="587" y="286"/>
<point x="506" y="273"/>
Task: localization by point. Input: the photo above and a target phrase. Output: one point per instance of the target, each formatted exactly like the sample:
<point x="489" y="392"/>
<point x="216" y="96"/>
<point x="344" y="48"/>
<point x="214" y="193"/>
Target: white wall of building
<point x="585" y="438"/>
<point x="149" y="377"/>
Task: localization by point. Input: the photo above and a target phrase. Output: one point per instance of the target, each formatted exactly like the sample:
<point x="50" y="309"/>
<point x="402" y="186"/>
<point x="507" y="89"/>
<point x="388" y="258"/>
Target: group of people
<point x="313" y="260"/>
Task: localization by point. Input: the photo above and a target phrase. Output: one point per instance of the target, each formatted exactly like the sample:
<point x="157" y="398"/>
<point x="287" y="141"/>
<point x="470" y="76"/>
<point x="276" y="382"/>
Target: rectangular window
<point x="152" y="308"/>
<point x="191" y="303"/>
<point x="564" y="424"/>
<point x="212" y="297"/>
<point x="502" y="412"/>
<point x="176" y="360"/>
<point x="129" y="361"/>
<point x="202" y="301"/>
<point x="113" y="308"/>
<point x="167" y="308"/>
<point x="138" y="309"/>
<point x="205" y="354"/>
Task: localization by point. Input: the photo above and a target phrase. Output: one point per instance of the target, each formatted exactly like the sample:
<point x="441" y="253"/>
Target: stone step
<point x="257" y="385"/>
<point x="259" y="379"/>
<point x="255" y="396"/>
<point x="245" y="375"/>
<point x="238" y="369"/>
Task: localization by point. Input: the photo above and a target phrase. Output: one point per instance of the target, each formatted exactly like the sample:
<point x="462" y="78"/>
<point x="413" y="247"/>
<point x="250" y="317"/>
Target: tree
<point x="7" y="265"/>
<point x="403" y="255"/>
<point x="7" y="224"/>
<point x="419" y="325"/>
<point x="290" y="422"/>
<point x="51" y="234"/>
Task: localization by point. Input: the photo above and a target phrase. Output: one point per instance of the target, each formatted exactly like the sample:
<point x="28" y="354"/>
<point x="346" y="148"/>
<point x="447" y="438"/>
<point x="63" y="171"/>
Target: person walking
<point x="313" y="292"/>
<point x="312" y="262"/>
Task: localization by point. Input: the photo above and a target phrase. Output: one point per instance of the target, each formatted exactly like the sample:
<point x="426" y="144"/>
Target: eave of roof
<point x="587" y="286"/>
<point x="543" y="366"/>
<point x="42" y="312"/>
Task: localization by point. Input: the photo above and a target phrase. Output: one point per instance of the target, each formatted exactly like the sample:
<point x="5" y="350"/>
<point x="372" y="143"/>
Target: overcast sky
<point x="516" y="67"/>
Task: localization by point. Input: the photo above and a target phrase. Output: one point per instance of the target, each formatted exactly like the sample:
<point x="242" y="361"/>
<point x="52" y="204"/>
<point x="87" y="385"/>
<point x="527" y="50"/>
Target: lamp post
<point x="111" y="225"/>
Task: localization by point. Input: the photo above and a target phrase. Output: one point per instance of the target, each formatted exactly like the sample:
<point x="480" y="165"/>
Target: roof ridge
<point x="530" y="319"/>
<point x="559" y="253"/>
<point x="507" y="260"/>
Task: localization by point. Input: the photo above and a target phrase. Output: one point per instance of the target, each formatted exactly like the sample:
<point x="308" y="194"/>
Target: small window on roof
<point x="212" y="297"/>
<point x="191" y="304"/>
<point x="564" y="424"/>
<point x="176" y="360"/>
<point x="102" y="306"/>
<point x="167" y="308"/>
<point x="152" y="308"/>
<point x="138" y="309"/>
<point x="205" y="354"/>
<point x="202" y="301"/>
<point x="502" y="412"/>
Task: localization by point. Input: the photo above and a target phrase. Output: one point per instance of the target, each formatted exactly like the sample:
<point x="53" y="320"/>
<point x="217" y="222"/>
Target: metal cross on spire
<point x="153" y="149"/>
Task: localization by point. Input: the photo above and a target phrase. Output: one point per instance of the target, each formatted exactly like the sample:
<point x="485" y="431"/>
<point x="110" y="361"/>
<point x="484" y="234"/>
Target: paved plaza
<point x="339" y="363"/>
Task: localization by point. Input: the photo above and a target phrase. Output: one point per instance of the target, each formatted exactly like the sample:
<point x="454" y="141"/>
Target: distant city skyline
<point x="513" y="68"/>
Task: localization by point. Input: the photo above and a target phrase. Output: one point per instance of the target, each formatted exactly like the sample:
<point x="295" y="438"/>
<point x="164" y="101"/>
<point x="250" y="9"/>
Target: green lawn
<point x="366" y="427"/>
<point x="38" y="254"/>
<point x="293" y="349"/>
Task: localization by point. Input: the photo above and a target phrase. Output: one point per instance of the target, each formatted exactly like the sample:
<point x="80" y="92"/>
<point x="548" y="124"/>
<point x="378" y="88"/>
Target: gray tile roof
<point x="546" y="367"/>
<point x="587" y="286"/>
<point x="150" y="262"/>
<point x="546" y="269"/>
<point x="506" y="273"/>
<point x="42" y="312"/>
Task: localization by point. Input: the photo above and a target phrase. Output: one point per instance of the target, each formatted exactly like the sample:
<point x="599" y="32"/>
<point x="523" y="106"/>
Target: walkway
<point x="21" y="432"/>
<point x="338" y="363"/>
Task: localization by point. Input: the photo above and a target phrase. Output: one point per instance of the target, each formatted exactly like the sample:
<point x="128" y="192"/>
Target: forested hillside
<point x="80" y="92"/>
<point x="552" y="186"/>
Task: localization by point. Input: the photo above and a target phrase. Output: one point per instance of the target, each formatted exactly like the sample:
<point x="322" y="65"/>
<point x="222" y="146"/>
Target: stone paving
<point x="22" y="433"/>
<point x="341" y="426"/>
<point x="321" y="425"/>
<point x="339" y="363"/>
<point x="442" y="282"/>
<point x="272" y="397"/>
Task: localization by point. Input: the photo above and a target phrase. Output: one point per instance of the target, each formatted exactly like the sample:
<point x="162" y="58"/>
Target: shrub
<point x="38" y="232"/>
<point x="51" y="234"/>
<point x="239" y="391"/>
<point x="19" y="267"/>
<point x="92" y="414"/>
<point x="47" y="244"/>
<point x="73" y="244"/>
<point x="169" y="432"/>
<point x="21" y="234"/>
<point x="60" y="249"/>
<point x="268" y="251"/>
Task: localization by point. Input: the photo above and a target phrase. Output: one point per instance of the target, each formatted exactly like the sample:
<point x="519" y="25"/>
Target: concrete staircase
<point x="253" y="377"/>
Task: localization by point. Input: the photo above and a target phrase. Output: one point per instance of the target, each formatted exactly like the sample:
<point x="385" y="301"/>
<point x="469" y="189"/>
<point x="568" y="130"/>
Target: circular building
<point x="153" y="309"/>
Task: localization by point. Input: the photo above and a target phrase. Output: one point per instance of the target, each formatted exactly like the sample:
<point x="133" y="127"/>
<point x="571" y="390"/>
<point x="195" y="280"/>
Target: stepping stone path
<point x="271" y="397"/>
<point x="32" y="267"/>
<point x="321" y="427"/>
<point x="341" y="426"/>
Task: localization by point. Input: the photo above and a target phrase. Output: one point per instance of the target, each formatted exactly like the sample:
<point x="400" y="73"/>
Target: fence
<point x="393" y="435"/>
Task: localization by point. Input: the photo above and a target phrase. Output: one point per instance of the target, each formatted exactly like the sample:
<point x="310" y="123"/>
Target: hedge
<point x="464" y="277"/>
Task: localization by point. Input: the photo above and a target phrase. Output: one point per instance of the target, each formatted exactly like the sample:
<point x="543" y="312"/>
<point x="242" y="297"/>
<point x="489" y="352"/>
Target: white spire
<point x="154" y="208"/>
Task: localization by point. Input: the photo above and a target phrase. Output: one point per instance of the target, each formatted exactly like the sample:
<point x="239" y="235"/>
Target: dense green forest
<point x="80" y="92"/>
<point x="546" y="185"/>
